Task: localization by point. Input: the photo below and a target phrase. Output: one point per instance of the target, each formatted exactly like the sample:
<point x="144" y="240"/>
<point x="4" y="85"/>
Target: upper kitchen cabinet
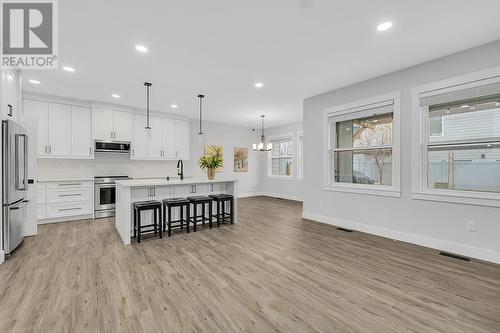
<point x="167" y="139"/>
<point x="112" y="125"/>
<point x="62" y="130"/>
<point x="10" y="94"/>
<point x="59" y="140"/>
<point x="81" y="132"/>
<point x="182" y="139"/>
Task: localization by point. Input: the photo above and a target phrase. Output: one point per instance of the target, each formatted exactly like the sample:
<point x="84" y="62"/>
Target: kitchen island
<point x="130" y="191"/>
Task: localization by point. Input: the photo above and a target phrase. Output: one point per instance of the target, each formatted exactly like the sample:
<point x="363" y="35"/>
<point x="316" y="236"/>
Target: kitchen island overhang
<point x="130" y="191"/>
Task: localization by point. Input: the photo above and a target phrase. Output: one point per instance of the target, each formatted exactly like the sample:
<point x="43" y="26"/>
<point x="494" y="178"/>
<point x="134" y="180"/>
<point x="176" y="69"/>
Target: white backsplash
<point x="105" y="165"/>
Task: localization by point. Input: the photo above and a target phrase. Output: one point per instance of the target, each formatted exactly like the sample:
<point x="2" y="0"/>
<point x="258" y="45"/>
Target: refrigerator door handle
<point x="21" y="181"/>
<point x="20" y="205"/>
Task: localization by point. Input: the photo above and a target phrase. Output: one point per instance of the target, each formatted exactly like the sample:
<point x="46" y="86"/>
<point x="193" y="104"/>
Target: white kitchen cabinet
<point x="182" y="139"/>
<point x="155" y="139"/>
<point x="122" y="121"/>
<point x="140" y="140"/>
<point x="103" y="124"/>
<point x="81" y="132"/>
<point x="64" y="200"/>
<point x="62" y="130"/>
<point x="9" y="94"/>
<point x="112" y="125"/>
<point x="59" y="141"/>
<point x="168" y="138"/>
<point x="37" y="116"/>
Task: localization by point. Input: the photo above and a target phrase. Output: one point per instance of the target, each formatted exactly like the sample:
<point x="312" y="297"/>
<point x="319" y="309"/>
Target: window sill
<point x="377" y="190"/>
<point x="460" y="197"/>
<point x="282" y="177"/>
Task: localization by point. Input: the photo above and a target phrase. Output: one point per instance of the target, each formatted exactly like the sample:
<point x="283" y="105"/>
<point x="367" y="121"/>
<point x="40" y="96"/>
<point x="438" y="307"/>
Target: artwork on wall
<point x="212" y="150"/>
<point x="240" y="159"/>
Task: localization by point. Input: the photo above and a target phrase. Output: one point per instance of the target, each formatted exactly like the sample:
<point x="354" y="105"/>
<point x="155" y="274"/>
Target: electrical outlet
<point x="470" y="226"/>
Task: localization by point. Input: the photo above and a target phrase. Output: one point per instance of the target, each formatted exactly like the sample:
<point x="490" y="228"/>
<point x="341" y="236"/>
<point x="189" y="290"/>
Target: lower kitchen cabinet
<point x="59" y="201"/>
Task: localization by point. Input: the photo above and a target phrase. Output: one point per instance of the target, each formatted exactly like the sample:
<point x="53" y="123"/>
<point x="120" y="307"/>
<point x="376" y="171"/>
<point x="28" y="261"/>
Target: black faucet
<point x="181" y="171"/>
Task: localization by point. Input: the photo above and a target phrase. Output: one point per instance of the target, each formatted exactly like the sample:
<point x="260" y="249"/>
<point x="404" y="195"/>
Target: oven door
<point x="105" y="197"/>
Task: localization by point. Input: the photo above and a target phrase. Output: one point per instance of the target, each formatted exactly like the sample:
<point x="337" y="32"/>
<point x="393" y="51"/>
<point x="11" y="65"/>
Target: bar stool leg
<point x="195" y="213"/>
<point x="187" y="217"/>
<point x="218" y="213"/>
<point x="164" y="220"/>
<point x="182" y="216"/>
<point x="203" y="214"/>
<point x="223" y="204"/>
<point x="160" y="224"/>
<point x="231" y="203"/>
<point x="210" y="214"/>
<point x="155" y="221"/>
<point x="138" y="226"/>
<point x="135" y="222"/>
<point x="169" y="220"/>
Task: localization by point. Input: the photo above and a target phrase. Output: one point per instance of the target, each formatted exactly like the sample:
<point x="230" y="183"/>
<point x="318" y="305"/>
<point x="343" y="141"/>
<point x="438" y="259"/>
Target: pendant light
<point x="261" y="146"/>
<point x="200" y="133"/>
<point x="148" y="94"/>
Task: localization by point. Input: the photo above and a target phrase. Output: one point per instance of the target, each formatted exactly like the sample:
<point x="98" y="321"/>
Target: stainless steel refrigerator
<point x="14" y="184"/>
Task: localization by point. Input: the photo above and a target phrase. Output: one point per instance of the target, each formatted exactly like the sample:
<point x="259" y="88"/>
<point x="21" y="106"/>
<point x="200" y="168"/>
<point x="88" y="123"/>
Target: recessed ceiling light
<point x="465" y="106"/>
<point x="497" y="103"/>
<point x="141" y="48"/>
<point x="115" y="96"/>
<point x="68" y="69"/>
<point x="384" y="26"/>
<point x="258" y="85"/>
<point x="34" y="81"/>
<point x="174" y="106"/>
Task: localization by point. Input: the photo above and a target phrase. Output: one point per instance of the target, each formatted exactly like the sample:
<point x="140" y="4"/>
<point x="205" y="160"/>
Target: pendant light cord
<point x="201" y="102"/>
<point x="148" y="87"/>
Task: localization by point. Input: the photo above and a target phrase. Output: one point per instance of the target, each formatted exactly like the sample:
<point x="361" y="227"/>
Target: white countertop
<point x="69" y="179"/>
<point x="164" y="182"/>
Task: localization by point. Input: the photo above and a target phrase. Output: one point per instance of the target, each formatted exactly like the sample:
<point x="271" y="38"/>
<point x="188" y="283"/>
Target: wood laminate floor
<point x="272" y="272"/>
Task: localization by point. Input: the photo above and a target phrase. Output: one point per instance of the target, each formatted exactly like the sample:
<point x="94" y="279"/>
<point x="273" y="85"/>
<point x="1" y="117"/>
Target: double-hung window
<point x="281" y="157"/>
<point x="465" y="155"/>
<point x="300" y="156"/>
<point x="362" y="140"/>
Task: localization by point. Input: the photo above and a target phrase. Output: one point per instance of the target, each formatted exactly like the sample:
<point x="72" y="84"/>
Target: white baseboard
<point x="274" y="195"/>
<point x="442" y="245"/>
<point x="65" y="219"/>
<point x="248" y="195"/>
<point x="2" y="256"/>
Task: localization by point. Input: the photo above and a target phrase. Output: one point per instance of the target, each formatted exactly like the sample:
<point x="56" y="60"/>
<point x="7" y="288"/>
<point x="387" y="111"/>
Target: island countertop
<point x="158" y="189"/>
<point x="165" y="182"/>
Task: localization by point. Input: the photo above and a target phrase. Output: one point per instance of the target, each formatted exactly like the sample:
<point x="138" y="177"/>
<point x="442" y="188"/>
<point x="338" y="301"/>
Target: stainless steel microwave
<point x="112" y="147"/>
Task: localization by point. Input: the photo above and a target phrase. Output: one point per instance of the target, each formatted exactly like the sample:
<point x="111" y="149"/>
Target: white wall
<point x="434" y="224"/>
<point x="289" y="188"/>
<point x="229" y="136"/>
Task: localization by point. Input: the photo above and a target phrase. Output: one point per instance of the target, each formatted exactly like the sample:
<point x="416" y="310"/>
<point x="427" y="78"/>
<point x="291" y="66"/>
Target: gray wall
<point x="281" y="188"/>
<point x="435" y="224"/>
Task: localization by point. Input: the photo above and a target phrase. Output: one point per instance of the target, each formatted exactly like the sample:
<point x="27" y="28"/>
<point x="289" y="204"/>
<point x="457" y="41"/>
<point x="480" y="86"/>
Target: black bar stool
<point x="168" y="204"/>
<point x="141" y="206"/>
<point x="201" y="200"/>
<point x="220" y="200"/>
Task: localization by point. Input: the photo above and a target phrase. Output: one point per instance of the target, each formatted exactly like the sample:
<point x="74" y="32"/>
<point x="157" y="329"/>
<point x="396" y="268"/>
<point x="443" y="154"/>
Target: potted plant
<point x="211" y="160"/>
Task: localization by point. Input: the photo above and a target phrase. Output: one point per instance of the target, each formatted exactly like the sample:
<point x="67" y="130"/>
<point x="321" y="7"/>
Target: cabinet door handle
<point x="70" y="195"/>
<point x="68" y="209"/>
<point x="71" y="184"/>
<point x="195" y="189"/>
<point x="90" y="151"/>
<point x="45" y="149"/>
<point x="10" y="110"/>
<point x="50" y="150"/>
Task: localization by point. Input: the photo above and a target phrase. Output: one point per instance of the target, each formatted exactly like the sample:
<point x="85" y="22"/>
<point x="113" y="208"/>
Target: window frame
<point x="420" y="140"/>
<point x="300" y="156"/>
<point x="350" y="110"/>
<point x="270" y="157"/>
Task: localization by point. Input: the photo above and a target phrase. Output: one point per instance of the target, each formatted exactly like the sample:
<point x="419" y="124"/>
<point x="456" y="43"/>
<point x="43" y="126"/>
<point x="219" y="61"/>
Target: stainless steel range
<point x="105" y="195"/>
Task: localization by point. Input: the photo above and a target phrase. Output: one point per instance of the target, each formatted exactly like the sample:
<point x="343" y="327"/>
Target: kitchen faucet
<point x="180" y="172"/>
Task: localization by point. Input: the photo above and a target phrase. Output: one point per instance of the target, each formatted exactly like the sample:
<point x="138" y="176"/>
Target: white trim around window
<point x="420" y="189"/>
<point x="291" y="138"/>
<point x="352" y="111"/>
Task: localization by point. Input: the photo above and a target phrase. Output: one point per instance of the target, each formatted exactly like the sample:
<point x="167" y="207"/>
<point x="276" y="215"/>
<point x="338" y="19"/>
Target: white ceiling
<point x="297" y="48"/>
